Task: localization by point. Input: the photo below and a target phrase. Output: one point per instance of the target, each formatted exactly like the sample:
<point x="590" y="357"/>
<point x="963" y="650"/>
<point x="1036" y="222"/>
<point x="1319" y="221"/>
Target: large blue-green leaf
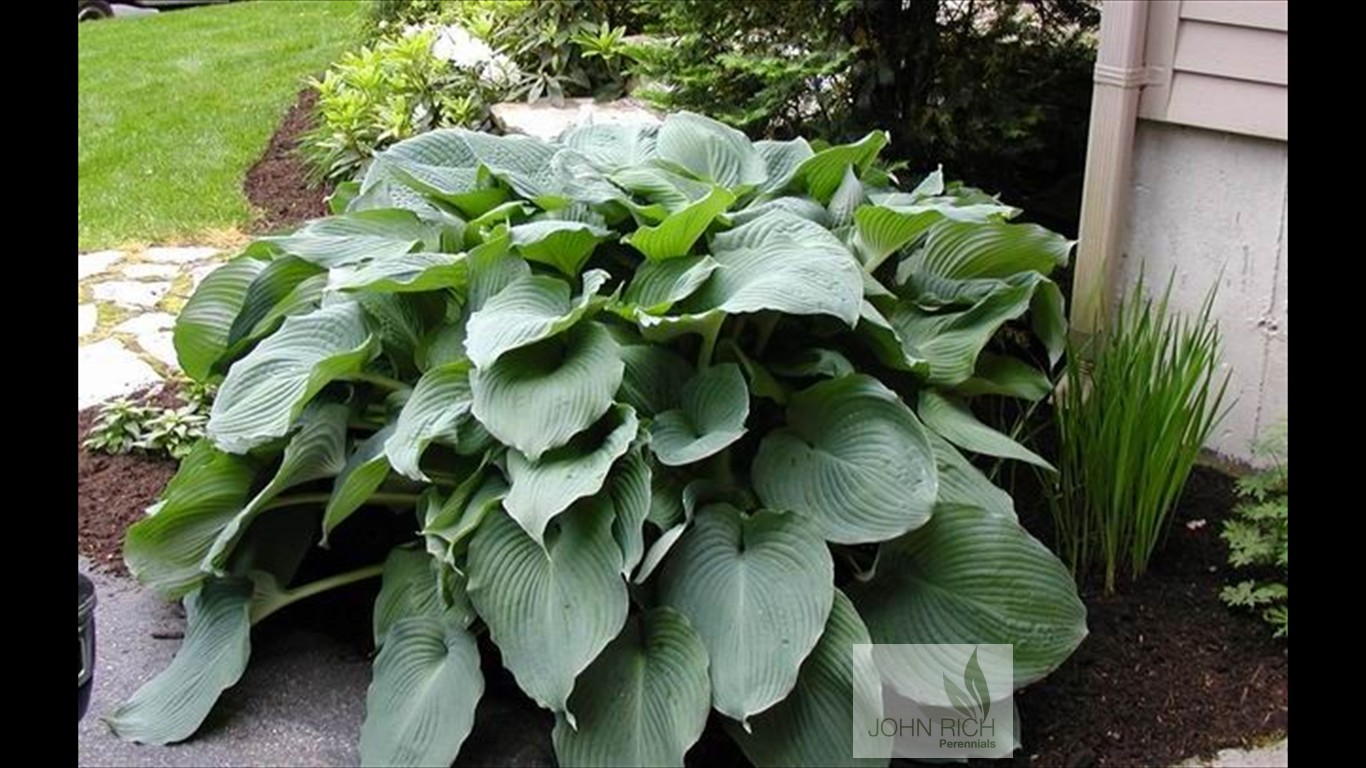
<point x="630" y="488"/>
<point x="970" y="576"/>
<point x="172" y="705"/>
<point x="201" y="330"/>
<point x="813" y="726"/>
<point x="420" y="705"/>
<point x="432" y="412"/>
<point x="962" y="484"/>
<point x="564" y="245"/>
<point x="408" y="588"/>
<point x="610" y="146"/>
<point x="644" y="701"/>
<point x="955" y="422"/>
<point x="963" y="250"/>
<point x="714" y="408"/>
<point x="267" y="390"/>
<point x="853" y="458"/>
<point x="406" y="273"/>
<point x="353" y="237"/>
<point x="952" y="340"/>
<point x="536" y="398"/>
<point x="1007" y="376"/>
<point x="676" y="234"/>
<point x="546" y="487"/>
<point x="365" y="469"/>
<point x="758" y="590"/>
<point x="654" y="378"/>
<point x="710" y="150"/>
<point x="658" y="285"/>
<point x="530" y="309"/>
<point x="781" y="161"/>
<point x="550" y="610"/>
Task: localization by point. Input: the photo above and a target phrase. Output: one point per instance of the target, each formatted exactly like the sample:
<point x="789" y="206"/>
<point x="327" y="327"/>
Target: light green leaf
<point x="715" y="406"/>
<point x="266" y="390"/>
<point x="853" y="458"/>
<point x="201" y="330"/>
<point x="710" y="150"/>
<point x="965" y="250"/>
<point x="172" y="705"/>
<point x="654" y="378"/>
<point x="1007" y="376"/>
<point x="658" y="285"/>
<point x="564" y="245"/>
<point x="409" y="588"/>
<point x="813" y="726"/>
<point x="551" y="609"/>
<point x="822" y="173"/>
<point x="420" y="705"/>
<point x="783" y="263"/>
<point x="530" y="309"/>
<point x="405" y="273"/>
<point x="644" y="701"/>
<point x="956" y="423"/>
<point x="164" y="549"/>
<point x="536" y="398"/>
<point x="758" y="590"/>
<point x="376" y="235"/>
<point x="544" y="488"/>
<point x="898" y="220"/>
<point x="973" y="577"/>
<point x="676" y="234"/>
<point x="432" y="413"/>
<point x="668" y="192"/>
<point x="362" y="475"/>
<point x="962" y="484"/>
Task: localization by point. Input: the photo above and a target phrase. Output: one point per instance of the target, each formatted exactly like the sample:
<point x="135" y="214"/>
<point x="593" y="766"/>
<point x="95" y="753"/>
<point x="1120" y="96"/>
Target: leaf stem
<point x="273" y="602"/>
<point x="380" y="380"/>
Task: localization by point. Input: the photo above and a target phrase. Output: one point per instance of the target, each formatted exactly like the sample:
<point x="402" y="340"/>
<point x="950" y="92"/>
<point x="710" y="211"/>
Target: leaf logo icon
<point x="975" y="703"/>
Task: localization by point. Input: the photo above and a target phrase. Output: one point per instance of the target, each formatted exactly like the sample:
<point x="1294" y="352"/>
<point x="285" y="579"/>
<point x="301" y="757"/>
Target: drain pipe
<point x="1120" y="75"/>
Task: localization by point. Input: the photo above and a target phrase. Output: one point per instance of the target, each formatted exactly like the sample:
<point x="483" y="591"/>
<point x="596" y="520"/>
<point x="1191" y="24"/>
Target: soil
<point x="113" y="491"/>
<point x="278" y="183"/>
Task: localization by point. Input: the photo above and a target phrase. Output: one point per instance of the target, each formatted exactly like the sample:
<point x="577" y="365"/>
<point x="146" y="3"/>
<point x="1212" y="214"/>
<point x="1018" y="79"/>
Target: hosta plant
<point x="669" y="418"/>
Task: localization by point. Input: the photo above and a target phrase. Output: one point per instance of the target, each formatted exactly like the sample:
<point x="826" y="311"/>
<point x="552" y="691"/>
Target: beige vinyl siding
<point x="1218" y="64"/>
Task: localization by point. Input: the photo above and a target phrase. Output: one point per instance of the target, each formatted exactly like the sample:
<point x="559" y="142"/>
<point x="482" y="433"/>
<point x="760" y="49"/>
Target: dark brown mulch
<point x="1168" y="671"/>
<point x="113" y="491"/>
<point x="278" y="183"/>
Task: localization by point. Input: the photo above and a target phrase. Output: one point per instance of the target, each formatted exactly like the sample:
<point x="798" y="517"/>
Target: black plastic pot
<point x="86" y="670"/>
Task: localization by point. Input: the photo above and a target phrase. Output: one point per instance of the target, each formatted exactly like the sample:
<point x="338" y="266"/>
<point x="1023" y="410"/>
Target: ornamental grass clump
<point x="669" y="417"/>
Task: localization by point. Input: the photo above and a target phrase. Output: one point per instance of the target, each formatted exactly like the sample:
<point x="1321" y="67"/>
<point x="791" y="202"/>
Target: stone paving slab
<point x="1272" y="756"/>
<point x="106" y="369"/>
<point x="93" y="263"/>
<point x="85" y="322"/>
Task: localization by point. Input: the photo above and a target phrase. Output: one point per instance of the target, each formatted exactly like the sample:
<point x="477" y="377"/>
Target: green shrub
<point x="669" y="415"/>
<point x="1134" y="413"/>
<point x="1258" y="536"/>
<point x="125" y="426"/>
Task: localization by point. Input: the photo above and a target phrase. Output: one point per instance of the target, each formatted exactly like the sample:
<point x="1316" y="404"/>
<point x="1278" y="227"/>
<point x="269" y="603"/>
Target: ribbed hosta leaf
<point x="781" y="160"/>
<point x="447" y="164"/>
<point x="898" y="220"/>
<point x="658" y="285"/>
<point x="816" y="361"/>
<point x="353" y="237"/>
<point x="801" y="207"/>
<point x="564" y="245"/>
<point x="432" y="412"/>
<point x="654" y="378"/>
<point x="1008" y="376"/>
<point x="316" y="451"/>
<point x="715" y="406"/>
<point x="668" y="192"/>
<point x="408" y="588"/>
<point x="710" y="150"/>
<point x="955" y="422"/>
<point x="812" y="726"/>
<point x="962" y="484"/>
<point x="822" y="173"/>
<point x="951" y="341"/>
<point x="172" y="705"/>
<point x="644" y="701"/>
<point x="974" y="577"/>
<point x="758" y="590"/>
<point x="266" y="390"/>
<point x="530" y="309"/>
<point x="420" y="705"/>
<point x="536" y="398"/>
<point x="610" y="146"/>
<point x="274" y="294"/>
<point x="544" y="488"/>
<point x="550" y="610"/>
<point x="877" y="332"/>
<point x="448" y="527"/>
<point x="408" y="272"/>
<point x="629" y="487"/>
<point x="201" y="330"/>
<point x="164" y="550"/>
<point x="493" y="267"/>
<point x="783" y="263"/>
<point x="847" y="199"/>
<point x="964" y="250"/>
<point x="365" y="469"/>
<point x="853" y="458"/>
<point x="676" y="234"/>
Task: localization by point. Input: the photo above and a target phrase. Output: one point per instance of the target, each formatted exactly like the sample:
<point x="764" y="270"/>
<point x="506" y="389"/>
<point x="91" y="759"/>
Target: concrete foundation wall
<point x="1212" y="207"/>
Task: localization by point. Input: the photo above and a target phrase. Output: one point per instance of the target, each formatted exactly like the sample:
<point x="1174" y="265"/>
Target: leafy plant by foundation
<point x="669" y="417"/>
<point x="1258" y="537"/>
<point x="1132" y="416"/>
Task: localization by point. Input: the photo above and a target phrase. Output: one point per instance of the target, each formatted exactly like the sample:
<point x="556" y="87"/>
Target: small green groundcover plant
<point x="1258" y="536"/>
<point x="670" y="418"/>
<point x="1136" y="409"/>
<point x="126" y="426"/>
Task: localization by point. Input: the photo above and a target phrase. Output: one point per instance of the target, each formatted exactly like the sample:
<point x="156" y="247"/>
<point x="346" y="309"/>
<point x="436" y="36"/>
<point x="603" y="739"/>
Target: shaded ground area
<point x="278" y="184"/>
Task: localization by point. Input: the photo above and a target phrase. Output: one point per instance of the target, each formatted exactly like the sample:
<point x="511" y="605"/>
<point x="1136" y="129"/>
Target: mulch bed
<point x="1166" y="673"/>
<point x="278" y="183"/>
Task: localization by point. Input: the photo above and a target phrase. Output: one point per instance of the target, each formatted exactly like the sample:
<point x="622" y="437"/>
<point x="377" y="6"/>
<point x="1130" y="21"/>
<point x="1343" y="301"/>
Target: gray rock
<point x="131" y="294"/>
<point x="87" y="316"/>
<point x="159" y="344"/>
<point x="547" y="121"/>
<point x="106" y="370"/>
<point x="179" y="254"/>
<point x="147" y="323"/>
<point x="144" y="271"/>
<point x="89" y="264"/>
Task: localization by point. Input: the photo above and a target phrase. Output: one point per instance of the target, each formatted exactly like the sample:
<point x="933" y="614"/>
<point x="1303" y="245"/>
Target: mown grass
<point x="174" y="108"/>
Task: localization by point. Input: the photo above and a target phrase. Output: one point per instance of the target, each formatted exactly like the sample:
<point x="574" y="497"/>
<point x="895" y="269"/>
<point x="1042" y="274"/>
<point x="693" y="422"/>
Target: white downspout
<point x="1119" y="75"/>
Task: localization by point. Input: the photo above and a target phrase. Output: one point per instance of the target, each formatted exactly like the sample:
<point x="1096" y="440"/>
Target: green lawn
<point x="174" y="109"/>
